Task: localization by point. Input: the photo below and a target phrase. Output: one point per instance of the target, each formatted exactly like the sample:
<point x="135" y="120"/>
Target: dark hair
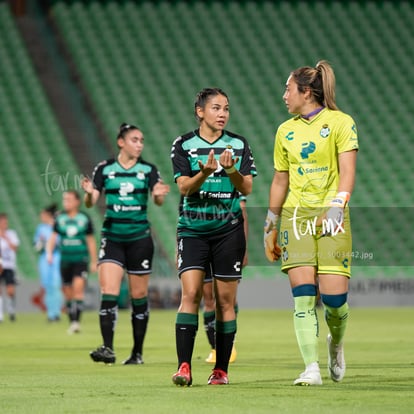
<point x="204" y="96"/>
<point x="52" y="209"/>
<point x="124" y="128"/>
<point x="320" y="80"/>
<point x="74" y="192"/>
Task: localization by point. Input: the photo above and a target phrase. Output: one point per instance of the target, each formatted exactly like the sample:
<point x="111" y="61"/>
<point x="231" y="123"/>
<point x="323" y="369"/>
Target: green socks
<point x="306" y="325"/>
<point x="337" y="319"/>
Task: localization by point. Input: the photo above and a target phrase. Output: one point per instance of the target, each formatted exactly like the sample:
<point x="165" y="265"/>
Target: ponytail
<point x="328" y="83"/>
<point x="321" y="82"/>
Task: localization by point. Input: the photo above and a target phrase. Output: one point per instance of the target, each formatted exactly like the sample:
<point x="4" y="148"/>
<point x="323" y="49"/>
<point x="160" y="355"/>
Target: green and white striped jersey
<point x="216" y="205"/>
<point x="126" y="192"/>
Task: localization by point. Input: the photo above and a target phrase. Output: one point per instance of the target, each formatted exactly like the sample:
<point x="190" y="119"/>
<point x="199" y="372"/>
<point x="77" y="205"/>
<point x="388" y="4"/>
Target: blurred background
<point x="72" y="71"/>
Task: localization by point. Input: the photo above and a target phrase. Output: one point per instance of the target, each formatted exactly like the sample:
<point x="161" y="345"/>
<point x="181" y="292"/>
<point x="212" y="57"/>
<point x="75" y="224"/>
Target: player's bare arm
<point x="347" y="169"/>
<point x="93" y="263"/>
<point x="50" y="246"/>
<point x="278" y="191"/>
<point x="91" y="194"/>
<point x="159" y="192"/>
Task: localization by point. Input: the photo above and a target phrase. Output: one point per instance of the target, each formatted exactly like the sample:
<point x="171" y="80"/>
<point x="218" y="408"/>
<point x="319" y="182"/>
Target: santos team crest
<point x="140" y="175"/>
<point x="325" y="131"/>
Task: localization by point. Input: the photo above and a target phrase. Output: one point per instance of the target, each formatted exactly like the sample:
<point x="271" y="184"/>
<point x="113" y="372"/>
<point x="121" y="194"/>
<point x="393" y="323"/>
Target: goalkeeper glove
<point x="272" y="249"/>
<point x="334" y="217"/>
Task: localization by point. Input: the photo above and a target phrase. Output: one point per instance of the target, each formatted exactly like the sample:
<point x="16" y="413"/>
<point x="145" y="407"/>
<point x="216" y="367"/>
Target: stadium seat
<point x="146" y="60"/>
<point x="30" y="139"/>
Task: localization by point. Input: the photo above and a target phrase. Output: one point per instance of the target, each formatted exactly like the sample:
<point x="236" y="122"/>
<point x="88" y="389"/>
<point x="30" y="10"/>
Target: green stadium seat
<point x="29" y="137"/>
<point x="151" y="74"/>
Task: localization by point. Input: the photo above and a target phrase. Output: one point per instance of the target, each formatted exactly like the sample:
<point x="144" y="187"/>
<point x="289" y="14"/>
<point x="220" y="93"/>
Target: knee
<point x="10" y="290"/>
<point x="138" y="293"/>
<point x="304" y="296"/>
<point x="191" y="296"/>
<point x="334" y="301"/>
<point x="225" y="307"/>
<point x="304" y="290"/>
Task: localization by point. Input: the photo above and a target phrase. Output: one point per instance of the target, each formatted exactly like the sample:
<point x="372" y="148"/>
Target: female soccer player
<point x="126" y="242"/>
<point x="212" y="167"/>
<point x="50" y="278"/>
<point x="314" y="161"/>
<point x="73" y="231"/>
<point x="209" y="310"/>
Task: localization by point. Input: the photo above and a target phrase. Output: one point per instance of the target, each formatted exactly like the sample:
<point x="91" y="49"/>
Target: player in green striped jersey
<point x="126" y="242"/>
<point x="315" y="163"/>
<point x="73" y="231"/>
<point x="212" y="167"/>
<point x="209" y="302"/>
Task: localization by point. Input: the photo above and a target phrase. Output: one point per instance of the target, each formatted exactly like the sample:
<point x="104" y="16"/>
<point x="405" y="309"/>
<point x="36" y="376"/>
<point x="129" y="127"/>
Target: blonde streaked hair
<point x="320" y="80"/>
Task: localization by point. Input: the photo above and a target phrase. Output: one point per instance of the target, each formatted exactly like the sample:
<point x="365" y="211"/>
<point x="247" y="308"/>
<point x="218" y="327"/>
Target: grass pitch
<point x="44" y="370"/>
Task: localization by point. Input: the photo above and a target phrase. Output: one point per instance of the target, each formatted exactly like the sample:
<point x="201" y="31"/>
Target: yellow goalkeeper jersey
<point x="309" y="150"/>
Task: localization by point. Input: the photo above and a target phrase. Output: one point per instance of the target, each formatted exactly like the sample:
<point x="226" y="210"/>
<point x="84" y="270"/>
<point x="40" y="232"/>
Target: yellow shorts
<point x="303" y="243"/>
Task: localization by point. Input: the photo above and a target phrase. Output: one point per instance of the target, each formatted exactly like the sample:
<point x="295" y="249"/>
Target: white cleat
<point x="73" y="328"/>
<point x="311" y="376"/>
<point x="336" y="360"/>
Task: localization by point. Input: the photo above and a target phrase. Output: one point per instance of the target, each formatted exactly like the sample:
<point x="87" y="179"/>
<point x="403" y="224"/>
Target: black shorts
<point x="223" y="252"/>
<point x="8" y="276"/>
<point x="135" y="256"/>
<point x="71" y="270"/>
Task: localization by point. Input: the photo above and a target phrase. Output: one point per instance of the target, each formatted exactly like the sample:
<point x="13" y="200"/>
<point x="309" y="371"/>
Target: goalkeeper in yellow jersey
<point x="308" y="224"/>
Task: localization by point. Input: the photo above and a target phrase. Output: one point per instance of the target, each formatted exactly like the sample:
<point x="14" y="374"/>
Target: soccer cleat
<point x="74" y="327"/>
<point x="336" y="360"/>
<point x="103" y="354"/>
<point x="211" y="359"/>
<point x="311" y="376"/>
<point x="218" y="377"/>
<point x="233" y="355"/>
<point x="183" y="376"/>
<point x="134" y="359"/>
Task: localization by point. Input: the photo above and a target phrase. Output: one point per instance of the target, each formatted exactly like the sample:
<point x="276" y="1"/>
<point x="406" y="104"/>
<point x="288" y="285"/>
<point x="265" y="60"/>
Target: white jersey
<point x="7" y="254"/>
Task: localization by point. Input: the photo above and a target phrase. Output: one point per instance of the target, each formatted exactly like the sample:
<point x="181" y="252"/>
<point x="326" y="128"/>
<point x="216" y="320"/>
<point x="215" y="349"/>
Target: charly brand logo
<point x="57" y="181"/>
<point x="289" y="136"/>
<point x="307" y="149"/>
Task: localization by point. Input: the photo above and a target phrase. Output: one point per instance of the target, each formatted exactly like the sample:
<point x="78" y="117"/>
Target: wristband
<point x="341" y="199"/>
<point x="230" y="170"/>
<point x="271" y="220"/>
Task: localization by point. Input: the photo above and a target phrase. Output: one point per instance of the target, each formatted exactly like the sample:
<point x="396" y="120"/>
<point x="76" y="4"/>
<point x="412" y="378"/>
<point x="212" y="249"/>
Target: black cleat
<point x="103" y="354"/>
<point x="134" y="359"/>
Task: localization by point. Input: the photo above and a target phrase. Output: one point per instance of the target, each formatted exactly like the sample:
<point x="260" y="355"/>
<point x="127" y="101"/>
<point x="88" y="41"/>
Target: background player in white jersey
<point x="126" y="242"/>
<point x="9" y="243"/>
<point x="315" y="162"/>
